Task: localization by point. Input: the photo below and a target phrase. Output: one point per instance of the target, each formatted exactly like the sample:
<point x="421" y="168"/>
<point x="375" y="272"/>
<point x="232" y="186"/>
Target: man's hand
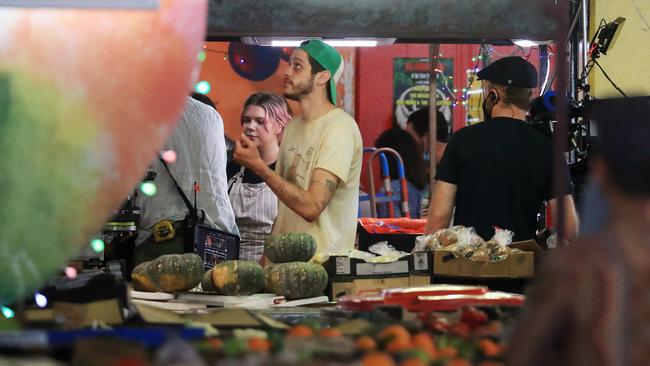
<point x="246" y="154"/>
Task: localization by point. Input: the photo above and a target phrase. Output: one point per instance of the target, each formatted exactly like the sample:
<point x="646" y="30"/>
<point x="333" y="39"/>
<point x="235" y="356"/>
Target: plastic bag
<point x="360" y="254"/>
<point x="386" y="253"/>
<point x="455" y="239"/>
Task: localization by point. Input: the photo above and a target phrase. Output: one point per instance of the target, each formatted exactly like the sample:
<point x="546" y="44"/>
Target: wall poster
<point x="411" y="86"/>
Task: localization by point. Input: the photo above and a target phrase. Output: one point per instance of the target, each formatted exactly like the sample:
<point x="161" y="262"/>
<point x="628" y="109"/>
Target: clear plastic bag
<point x="385" y="253"/>
<point x="499" y="245"/>
<point x="455" y="238"/>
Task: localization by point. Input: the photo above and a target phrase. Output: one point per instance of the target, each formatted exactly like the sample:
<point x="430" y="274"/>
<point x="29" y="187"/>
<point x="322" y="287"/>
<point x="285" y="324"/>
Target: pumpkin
<point x="267" y="278"/>
<point x="235" y="278"/>
<point x="168" y="273"/>
<point x="296" y="280"/>
<point x="290" y="247"/>
<point x="206" y="282"/>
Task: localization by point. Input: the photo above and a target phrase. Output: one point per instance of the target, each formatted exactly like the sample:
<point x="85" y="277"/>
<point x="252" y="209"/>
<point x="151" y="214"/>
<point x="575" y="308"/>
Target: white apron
<point x="255" y="207"/>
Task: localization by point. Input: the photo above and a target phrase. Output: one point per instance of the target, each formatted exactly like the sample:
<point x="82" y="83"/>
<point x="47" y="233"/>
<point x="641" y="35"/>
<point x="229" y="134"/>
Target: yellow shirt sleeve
<point x="337" y="151"/>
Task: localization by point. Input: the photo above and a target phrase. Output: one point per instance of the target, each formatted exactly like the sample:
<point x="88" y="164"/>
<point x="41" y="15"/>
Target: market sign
<point x="411" y="86"/>
<point x="115" y="4"/>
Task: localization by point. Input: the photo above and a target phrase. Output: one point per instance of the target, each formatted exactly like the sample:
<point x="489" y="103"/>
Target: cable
<point x="608" y="78"/>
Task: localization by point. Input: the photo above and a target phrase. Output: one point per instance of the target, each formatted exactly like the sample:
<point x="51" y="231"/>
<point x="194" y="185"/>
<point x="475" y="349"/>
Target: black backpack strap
<point x="193" y="212"/>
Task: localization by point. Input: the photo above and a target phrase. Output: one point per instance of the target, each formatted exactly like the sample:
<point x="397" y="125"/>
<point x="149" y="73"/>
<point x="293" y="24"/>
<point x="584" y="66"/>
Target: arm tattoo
<point x="331" y="185"/>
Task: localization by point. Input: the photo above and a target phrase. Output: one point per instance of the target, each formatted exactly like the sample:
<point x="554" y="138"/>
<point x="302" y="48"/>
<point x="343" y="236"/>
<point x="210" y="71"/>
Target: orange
<point x="256" y="344"/>
<point x="398" y="345"/>
<point x="300" y="331"/>
<point x="377" y="359"/>
<point x="489" y="348"/>
<point x="393" y="332"/>
<point x="215" y="342"/>
<point x="331" y="332"/>
<point x="424" y="342"/>
<point x="365" y="343"/>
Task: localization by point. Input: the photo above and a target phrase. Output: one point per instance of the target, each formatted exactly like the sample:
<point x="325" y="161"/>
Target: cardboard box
<point x="403" y="242"/>
<point x="518" y="265"/>
<point x="340" y="288"/>
<point x="374" y="285"/>
<point x="341" y="266"/>
<point x="528" y="246"/>
<point x="421" y="262"/>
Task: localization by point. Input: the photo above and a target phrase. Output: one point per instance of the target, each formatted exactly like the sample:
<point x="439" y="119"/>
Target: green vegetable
<point x="290" y="247"/>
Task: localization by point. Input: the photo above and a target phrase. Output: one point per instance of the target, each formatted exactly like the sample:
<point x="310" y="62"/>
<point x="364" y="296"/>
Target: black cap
<point x="512" y="70"/>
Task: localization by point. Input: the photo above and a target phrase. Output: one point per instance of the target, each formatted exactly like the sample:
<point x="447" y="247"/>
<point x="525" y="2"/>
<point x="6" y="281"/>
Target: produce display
<point x="168" y="273"/>
<point x="290" y="247"/>
<point x="297" y="280"/>
<point x="236" y="278"/>
<point x="469" y="336"/>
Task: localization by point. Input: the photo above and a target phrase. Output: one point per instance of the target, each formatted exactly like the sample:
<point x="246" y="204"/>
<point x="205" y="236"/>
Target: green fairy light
<point x="97" y="245"/>
<point x="8" y="313"/>
<point x="202" y="87"/>
<point x="148" y="188"/>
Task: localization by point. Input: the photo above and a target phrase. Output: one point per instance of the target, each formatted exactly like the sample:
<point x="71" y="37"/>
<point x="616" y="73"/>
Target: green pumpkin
<point x="206" y="282"/>
<point x="168" y="273"/>
<point x="296" y="280"/>
<point x="236" y="278"/>
<point x="267" y="278"/>
<point x="290" y="247"/>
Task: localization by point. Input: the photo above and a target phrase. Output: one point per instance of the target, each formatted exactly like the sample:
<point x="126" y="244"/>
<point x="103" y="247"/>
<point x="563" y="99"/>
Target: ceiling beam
<point x="423" y="21"/>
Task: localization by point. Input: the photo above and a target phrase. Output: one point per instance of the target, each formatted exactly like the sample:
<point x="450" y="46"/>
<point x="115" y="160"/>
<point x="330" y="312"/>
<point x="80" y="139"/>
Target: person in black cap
<point x="499" y="173"/>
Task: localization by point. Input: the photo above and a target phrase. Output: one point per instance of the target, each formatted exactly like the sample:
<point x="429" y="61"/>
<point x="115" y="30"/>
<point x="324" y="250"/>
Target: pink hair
<point x="278" y="111"/>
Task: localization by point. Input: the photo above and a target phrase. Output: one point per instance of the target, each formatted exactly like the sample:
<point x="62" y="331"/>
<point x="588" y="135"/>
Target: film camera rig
<point x="542" y="115"/>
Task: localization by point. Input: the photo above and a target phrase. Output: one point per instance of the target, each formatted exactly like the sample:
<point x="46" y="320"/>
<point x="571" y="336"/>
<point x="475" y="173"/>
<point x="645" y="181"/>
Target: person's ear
<point x="324" y="77"/>
<point x="495" y="96"/>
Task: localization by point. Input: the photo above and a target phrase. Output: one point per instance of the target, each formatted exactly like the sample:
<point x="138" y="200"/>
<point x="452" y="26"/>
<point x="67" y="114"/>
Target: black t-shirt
<point x="503" y="170"/>
<point x="249" y="177"/>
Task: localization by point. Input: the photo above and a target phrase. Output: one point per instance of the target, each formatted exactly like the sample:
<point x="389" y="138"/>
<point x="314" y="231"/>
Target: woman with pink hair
<point x="263" y="118"/>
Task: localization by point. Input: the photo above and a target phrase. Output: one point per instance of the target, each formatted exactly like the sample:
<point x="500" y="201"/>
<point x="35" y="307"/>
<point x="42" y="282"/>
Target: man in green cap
<point x="316" y="177"/>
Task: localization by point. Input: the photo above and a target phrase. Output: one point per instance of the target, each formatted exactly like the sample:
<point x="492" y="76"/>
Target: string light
<point x="169" y="156"/>
<point x="41" y="300"/>
<point x="71" y="272"/>
<point x="148" y="188"/>
<point x="201" y="56"/>
<point x="97" y="245"/>
<point x="470" y="79"/>
<point x="8" y="313"/>
<point x="225" y="54"/>
<point x="202" y="87"/>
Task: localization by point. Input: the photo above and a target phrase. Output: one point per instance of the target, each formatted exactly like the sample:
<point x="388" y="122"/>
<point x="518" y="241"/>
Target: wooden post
<point x="433" y="62"/>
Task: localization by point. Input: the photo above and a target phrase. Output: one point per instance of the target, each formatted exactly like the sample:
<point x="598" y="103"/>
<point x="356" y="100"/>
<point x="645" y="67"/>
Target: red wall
<point x="374" y="89"/>
<point x="374" y="82"/>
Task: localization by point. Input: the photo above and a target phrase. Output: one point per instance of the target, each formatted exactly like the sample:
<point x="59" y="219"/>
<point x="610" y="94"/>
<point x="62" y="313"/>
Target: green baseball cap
<point x="328" y="57"/>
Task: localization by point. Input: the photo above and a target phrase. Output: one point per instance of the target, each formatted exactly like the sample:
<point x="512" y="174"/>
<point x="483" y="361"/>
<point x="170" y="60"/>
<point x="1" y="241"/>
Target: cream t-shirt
<point x="332" y="142"/>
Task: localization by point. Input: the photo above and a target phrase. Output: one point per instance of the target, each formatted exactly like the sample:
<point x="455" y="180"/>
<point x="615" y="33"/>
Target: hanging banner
<point x="411" y="86"/>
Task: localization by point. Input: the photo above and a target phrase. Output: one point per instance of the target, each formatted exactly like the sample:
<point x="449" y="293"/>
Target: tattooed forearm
<point x="331" y="185"/>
